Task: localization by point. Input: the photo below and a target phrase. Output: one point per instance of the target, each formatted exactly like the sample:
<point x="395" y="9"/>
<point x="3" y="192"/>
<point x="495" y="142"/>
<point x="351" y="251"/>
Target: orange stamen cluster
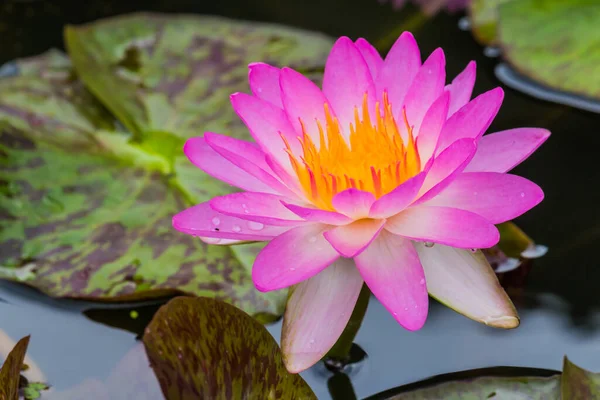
<point x="378" y="156"/>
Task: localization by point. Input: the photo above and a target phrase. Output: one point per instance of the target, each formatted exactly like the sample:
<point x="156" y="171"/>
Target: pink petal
<point x="461" y="88"/>
<point x="371" y="56"/>
<point x="426" y="87"/>
<point x="202" y="220"/>
<point x="350" y="240"/>
<point x="495" y="196"/>
<point x="445" y="167"/>
<point x="398" y="199"/>
<point x="318" y="215"/>
<point x="502" y="151"/>
<point x="262" y="208"/>
<point x="291" y="181"/>
<point x="211" y="162"/>
<point x="264" y="83"/>
<point x="391" y="268"/>
<point x="353" y="202"/>
<point x="293" y="257"/>
<point x="472" y="120"/>
<point x="399" y="69"/>
<point x="303" y="101"/>
<point x="240" y="153"/>
<point x="464" y="281"/>
<point x="432" y="125"/>
<point x="267" y="123"/>
<point x="445" y="225"/>
<point x="317" y="312"/>
<point x="346" y="81"/>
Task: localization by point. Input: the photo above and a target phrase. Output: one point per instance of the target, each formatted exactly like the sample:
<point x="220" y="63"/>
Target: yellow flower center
<point x="375" y="159"/>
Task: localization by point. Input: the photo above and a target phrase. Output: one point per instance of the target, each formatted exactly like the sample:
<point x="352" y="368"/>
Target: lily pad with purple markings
<point x="85" y="211"/>
<point x="201" y="348"/>
<point x="175" y="73"/>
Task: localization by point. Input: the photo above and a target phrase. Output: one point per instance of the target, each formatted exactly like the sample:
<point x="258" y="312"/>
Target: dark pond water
<point x="559" y="309"/>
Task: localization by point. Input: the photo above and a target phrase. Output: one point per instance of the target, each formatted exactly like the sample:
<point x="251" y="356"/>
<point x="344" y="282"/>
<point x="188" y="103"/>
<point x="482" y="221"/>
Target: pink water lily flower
<point x="382" y="176"/>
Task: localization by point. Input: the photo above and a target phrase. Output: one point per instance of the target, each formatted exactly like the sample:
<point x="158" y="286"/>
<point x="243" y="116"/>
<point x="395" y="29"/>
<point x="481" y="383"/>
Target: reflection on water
<point x="77" y="354"/>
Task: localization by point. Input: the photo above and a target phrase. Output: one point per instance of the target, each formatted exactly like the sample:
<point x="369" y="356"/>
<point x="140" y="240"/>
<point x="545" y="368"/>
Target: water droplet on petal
<point x="244" y="206"/>
<point x="292" y="269"/>
<point x="236" y="228"/>
<point x="255" y="226"/>
<point x="522" y="194"/>
<point x="429" y="244"/>
<point x="312" y="239"/>
<point x="405" y="308"/>
<point x="311" y="341"/>
<point x="422" y="282"/>
<point x="216" y="221"/>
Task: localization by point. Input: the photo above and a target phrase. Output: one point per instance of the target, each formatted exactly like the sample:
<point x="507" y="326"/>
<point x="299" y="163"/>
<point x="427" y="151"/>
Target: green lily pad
<point x="175" y="73"/>
<point x="202" y="348"/>
<point x="85" y="212"/>
<point x="33" y="390"/>
<point x="483" y="15"/>
<point x="554" y="42"/>
<point x="10" y="373"/>
<point x="573" y="383"/>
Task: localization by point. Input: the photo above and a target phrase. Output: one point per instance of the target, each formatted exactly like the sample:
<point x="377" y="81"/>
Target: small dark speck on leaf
<point x="493" y="394"/>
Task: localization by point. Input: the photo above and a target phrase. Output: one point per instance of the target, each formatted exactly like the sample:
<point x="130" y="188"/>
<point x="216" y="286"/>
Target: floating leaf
<point x="484" y="18"/>
<point x="202" y="348"/>
<point x="574" y="383"/>
<point x="554" y="42"/>
<point x="86" y="213"/>
<point x="33" y="390"/>
<point x="10" y="373"/>
<point x="86" y="225"/>
<point x="577" y="383"/>
<point x="175" y="73"/>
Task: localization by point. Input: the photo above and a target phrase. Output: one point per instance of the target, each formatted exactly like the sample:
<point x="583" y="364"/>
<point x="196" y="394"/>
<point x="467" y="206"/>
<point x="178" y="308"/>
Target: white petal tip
<point x="502" y="322"/>
<point x="300" y="362"/>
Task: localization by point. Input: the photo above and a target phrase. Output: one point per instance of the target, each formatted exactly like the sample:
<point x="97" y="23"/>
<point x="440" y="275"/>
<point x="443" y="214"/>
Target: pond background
<point x="558" y="309"/>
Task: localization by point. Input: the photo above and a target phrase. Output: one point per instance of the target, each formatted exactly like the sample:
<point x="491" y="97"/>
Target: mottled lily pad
<point x="573" y="383"/>
<point x="175" y="73"/>
<point x="202" y="348"/>
<point x="10" y="373"/>
<point x="85" y="211"/>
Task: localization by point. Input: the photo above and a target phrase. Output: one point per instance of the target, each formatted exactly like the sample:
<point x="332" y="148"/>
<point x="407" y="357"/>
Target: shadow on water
<point x="73" y="341"/>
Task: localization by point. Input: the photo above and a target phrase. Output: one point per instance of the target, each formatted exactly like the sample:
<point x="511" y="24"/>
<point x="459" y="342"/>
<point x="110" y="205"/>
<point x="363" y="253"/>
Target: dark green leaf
<point x="10" y="373"/>
<point x="526" y="388"/>
<point x="201" y="348"/>
<point x="577" y="383"/>
<point x="554" y="42"/>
